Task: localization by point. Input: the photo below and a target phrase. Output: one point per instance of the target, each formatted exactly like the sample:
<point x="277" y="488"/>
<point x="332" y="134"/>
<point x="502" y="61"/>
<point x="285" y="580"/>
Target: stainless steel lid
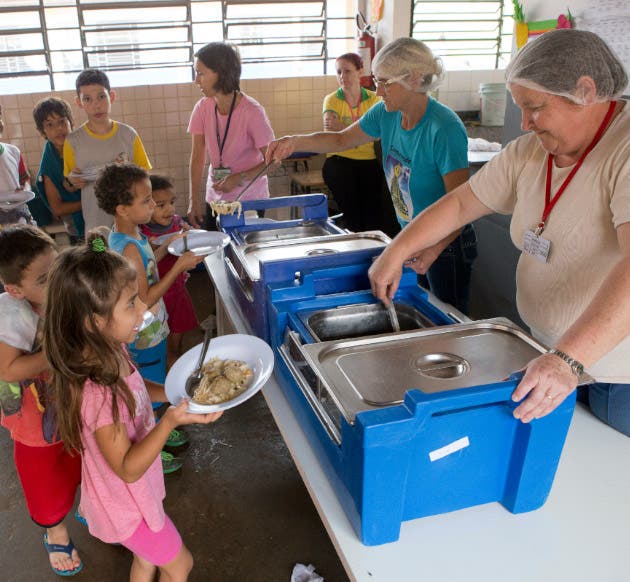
<point x="250" y="256"/>
<point x="377" y="371"/>
<point x="289" y="232"/>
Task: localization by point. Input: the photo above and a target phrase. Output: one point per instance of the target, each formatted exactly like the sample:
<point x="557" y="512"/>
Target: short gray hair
<point x="557" y="60"/>
<point x="409" y="56"/>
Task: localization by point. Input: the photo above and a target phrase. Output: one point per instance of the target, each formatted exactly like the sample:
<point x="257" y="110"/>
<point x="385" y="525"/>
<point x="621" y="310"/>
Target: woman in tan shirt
<point x="567" y="185"/>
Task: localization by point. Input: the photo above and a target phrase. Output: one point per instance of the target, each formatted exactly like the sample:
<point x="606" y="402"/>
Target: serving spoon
<point x="195" y="376"/>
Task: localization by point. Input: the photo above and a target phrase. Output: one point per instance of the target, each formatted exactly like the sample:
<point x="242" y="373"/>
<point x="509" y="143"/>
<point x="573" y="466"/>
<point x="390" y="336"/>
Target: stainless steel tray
<point x="377" y="371"/>
<point x="361" y="319"/>
<point x="250" y="256"/>
<point x="290" y="232"/>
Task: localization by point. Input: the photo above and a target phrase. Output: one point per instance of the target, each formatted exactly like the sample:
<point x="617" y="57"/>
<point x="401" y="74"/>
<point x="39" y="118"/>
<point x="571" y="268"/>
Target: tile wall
<point x="160" y="114"/>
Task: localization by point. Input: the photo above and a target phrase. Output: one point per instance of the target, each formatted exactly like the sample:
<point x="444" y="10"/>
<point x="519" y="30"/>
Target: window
<point x="44" y="44"/>
<point x="467" y="35"/>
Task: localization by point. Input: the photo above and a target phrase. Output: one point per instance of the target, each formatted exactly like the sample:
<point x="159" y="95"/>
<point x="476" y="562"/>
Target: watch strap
<point x="576" y="367"/>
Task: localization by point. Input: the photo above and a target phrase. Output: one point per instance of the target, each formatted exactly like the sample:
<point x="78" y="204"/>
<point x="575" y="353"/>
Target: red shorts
<point x="49" y="477"/>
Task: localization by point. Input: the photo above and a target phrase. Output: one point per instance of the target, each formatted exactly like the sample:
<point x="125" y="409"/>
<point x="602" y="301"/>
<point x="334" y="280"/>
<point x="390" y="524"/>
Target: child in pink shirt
<point x="104" y="407"/>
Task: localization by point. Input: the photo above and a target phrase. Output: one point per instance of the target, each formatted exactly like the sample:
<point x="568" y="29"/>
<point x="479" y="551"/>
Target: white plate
<point x="247" y="348"/>
<point x="15" y="198"/>
<point x="160" y="240"/>
<point x="201" y="242"/>
<point x="88" y="174"/>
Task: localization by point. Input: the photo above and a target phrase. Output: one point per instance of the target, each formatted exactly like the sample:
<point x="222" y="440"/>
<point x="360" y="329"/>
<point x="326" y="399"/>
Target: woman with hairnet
<point x="567" y="185"/>
<point x="425" y="155"/>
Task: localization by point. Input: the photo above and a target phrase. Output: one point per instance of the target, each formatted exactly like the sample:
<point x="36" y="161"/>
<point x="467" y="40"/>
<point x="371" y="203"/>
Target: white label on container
<point x="449" y="449"/>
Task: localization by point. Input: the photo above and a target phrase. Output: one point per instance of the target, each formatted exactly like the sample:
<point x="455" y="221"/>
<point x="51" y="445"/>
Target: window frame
<point x="55" y="67"/>
<point x="504" y="27"/>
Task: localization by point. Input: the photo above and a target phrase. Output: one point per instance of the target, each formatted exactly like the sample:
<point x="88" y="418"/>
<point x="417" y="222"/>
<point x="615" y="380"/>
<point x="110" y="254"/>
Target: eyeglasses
<point x="386" y="83"/>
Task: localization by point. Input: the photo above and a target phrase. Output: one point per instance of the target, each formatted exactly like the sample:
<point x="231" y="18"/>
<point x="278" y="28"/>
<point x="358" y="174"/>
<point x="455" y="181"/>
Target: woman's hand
<point x="228" y="183"/>
<point x="333" y="123"/>
<point x="548" y="380"/>
<point x="195" y="213"/>
<point x="385" y="274"/>
<point x="280" y="149"/>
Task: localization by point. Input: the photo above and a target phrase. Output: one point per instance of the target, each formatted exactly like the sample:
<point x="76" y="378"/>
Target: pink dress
<point x="113" y="508"/>
<point x="179" y="305"/>
<point x="249" y="131"/>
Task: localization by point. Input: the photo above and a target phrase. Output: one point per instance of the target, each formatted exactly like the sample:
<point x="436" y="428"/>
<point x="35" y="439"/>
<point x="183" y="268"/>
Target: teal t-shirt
<point x="416" y="160"/>
<point x="52" y="166"/>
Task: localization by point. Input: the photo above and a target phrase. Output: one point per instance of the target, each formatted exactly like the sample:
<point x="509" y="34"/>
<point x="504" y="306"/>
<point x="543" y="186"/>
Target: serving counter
<point x="579" y="535"/>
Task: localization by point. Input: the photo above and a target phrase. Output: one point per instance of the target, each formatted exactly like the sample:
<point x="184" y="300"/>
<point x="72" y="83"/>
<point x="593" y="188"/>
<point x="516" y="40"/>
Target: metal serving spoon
<point x="195" y="376"/>
<point x="393" y="316"/>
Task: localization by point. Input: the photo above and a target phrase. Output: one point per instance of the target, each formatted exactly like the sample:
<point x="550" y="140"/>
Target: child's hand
<point x="189" y="260"/>
<point x="75" y="178"/>
<point x="179" y="415"/>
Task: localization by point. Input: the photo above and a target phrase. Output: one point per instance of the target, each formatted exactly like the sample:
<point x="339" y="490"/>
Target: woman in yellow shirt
<point x="355" y="177"/>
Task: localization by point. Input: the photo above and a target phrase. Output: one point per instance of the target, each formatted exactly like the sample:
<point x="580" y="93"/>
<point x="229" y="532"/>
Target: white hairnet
<point x="408" y="56"/>
<point x="557" y="60"/>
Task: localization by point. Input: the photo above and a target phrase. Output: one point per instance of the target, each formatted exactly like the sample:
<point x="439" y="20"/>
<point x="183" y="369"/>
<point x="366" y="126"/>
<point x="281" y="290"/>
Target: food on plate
<point x="222" y="380"/>
<point x="220" y="207"/>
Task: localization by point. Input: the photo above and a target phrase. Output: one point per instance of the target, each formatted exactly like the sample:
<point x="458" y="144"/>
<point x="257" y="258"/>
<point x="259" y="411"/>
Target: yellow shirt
<point x="336" y="103"/>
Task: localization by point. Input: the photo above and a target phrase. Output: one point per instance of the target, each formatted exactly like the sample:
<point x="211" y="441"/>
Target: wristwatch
<point x="576" y="367"/>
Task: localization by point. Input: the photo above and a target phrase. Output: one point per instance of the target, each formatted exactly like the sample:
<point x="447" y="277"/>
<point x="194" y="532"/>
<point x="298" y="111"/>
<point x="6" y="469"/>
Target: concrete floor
<point x="238" y="502"/>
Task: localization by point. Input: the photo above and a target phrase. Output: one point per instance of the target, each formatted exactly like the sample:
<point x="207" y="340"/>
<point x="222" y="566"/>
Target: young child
<point x="124" y="191"/>
<point x="104" y="407"/>
<point x="98" y="142"/>
<point x="14" y="177"/>
<point x="179" y="306"/>
<point x="48" y="473"/>
<point x="53" y="119"/>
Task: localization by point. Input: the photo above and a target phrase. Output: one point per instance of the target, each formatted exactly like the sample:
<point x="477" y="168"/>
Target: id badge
<point x="536" y="246"/>
<point x="220" y="173"/>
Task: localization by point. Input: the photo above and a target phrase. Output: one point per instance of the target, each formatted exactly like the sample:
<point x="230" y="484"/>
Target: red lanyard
<point x="551" y="202"/>
<point x="354" y="117"/>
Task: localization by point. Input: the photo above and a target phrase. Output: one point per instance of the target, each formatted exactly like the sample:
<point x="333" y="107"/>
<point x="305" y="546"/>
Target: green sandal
<point x="176" y="438"/>
<point x="170" y="463"/>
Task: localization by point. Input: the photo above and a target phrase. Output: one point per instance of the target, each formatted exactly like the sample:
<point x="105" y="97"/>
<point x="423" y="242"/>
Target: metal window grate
<point x="44" y="44"/>
<point x="466" y="35"/>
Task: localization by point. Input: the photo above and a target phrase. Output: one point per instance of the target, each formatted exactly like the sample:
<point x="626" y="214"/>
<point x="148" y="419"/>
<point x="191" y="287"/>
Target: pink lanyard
<point x="551" y="202"/>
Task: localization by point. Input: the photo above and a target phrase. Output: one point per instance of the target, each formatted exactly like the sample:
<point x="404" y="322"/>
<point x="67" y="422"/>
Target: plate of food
<point x="201" y="242"/>
<point x="15" y="198"/>
<point x="235" y="368"/>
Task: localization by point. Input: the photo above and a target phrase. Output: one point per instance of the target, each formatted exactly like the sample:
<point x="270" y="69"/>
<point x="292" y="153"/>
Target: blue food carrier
<point x="414" y="423"/>
<point x="251" y="267"/>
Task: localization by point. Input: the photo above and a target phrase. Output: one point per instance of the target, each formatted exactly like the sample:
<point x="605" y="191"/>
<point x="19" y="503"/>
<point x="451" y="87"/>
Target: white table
<point x="582" y="533"/>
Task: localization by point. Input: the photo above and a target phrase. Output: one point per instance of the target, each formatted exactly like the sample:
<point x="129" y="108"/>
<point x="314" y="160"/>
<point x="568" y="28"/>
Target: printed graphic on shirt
<point x="398" y="175"/>
<point x="152" y="335"/>
<point x="143" y="404"/>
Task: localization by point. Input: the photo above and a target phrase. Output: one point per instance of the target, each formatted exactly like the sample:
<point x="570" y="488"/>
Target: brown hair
<point x="113" y="186"/>
<point x="353" y="58"/>
<point x="20" y="245"/>
<point x="223" y="58"/>
<point x="46" y="107"/>
<point x="85" y="281"/>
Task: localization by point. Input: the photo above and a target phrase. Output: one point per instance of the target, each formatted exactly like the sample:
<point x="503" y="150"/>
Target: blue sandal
<point x="62" y="549"/>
